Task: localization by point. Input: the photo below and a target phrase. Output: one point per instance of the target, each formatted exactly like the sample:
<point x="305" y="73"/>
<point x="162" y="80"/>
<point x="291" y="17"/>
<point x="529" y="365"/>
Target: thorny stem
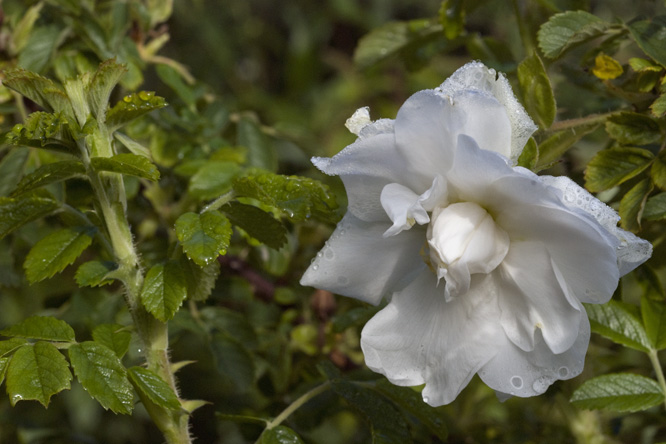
<point x="291" y="408"/>
<point x="654" y="359"/>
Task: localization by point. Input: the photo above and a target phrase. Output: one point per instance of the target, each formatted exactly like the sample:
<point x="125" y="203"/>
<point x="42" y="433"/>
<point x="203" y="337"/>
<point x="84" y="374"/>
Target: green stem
<point x="654" y="359"/>
<point x="592" y="119"/>
<point x="217" y="203"/>
<point x="291" y="408"/>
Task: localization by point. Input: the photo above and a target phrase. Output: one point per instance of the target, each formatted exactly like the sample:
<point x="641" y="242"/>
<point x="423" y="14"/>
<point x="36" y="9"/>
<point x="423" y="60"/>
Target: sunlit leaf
<point x="633" y="128"/>
<point x="98" y="90"/>
<point x="9" y="346"/>
<point x="621" y="392"/>
<point x="127" y="163"/>
<point x="565" y="30"/>
<point x="133" y="106"/>
<point x="55" y="252"/>
<point x="537" y="92"/>
<point x="615" y="322"/>
<point x="40" y="90"/>
<point x="43" y="130"/>
<point x="613" y="166"/>
<point x="46" y="328"/>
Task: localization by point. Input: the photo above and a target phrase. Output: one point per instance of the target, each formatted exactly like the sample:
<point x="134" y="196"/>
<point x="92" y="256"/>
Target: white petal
<point x="402" y="207"/>
<point x="486" y="121"/>
<point x="532" y="298"/>
<point x="365" y="168"/>
<point x="520" y="373"/>
<point x="474" y="76"/>
<point x="358" y="120"/>
<point x="419" y="337"/>
<point x="632" y="250"/>
<point x="359" y="262"/>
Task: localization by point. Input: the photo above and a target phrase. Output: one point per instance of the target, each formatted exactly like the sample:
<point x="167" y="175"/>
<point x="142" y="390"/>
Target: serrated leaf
<point x="452" y="18"/>
<point x="233" y="361"/>
<point x="94" y="273"/>
<point x="133" y="106"/>
<point x="200" y="280"/>
<point x="127" y="163"/>
<point x="551" y="149"/>
<point x="15" y="213"/>
<point x="298" y="197"/>
<point x="279" y="435"/>
<point x="98" y="90"/>
<point x="152" y="386"/>
<point x="530" y="155"/>
<point x="48" y="174"/>
<point x="655" y="207"/>
<point x="393" y="38"/>
<point x="654" y="318"/>
<point x="632" y="205"/>
<point x="164" y="290"/>
<point x="412" y="404"/>
<point x="606" y="67"/>
<point x="613" y="166"/>
<point x="213" y="179"/>
<point x="615" y="322"/>
<point x="537" y="92"/>
<point x="565" y="30"/>
<point x="101" y="373"/>
<point x="37" y="372"/>
<point x="43" y="130"/>
<point x="633" y="128"/>
<point x="387" y="425"/>
<point x="620" y="392"/>
<point x="55" y="252"/>
<point x="658" y="107"/>
<point x="113" y="336"/>
<point x="9" y="346"/>
<point x="45" y="328"/>
<point x="260" y="151"/>
<point x="204" y="236"/>
<point x="12" y="167"/>
<point x="650" y="35"/>
<point x="40" y="90"/>
<point x="658" y="170"/>
<point x="257" y="223"/>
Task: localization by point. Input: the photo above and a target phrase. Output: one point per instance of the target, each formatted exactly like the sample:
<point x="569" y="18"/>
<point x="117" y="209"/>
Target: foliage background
<point x="279" y="78"/>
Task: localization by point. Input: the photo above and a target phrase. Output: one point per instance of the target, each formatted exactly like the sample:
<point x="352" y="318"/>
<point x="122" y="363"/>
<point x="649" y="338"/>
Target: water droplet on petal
<point x="563" y="372"/>
<point x="425" y="399"/>
<point x="517" y="382"/>
<point x="315" y="267"/>
<point x="329" y="254"/>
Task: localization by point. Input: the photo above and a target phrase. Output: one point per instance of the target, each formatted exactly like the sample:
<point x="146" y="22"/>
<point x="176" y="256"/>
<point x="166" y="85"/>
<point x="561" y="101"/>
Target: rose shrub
<point x="485" y="264"/>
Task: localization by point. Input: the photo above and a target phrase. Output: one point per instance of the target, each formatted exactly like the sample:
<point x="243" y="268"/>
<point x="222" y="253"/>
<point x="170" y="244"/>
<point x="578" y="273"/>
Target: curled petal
<point x="419" y="337"/>
<point x="359" y="262"/>
<point x="405" y="208"/>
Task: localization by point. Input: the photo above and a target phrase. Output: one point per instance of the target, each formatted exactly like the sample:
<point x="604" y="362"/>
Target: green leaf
<point x="164" y="290"/>
<point x="260" y="151"/>
<point x="620" y="392"/>
<point x="204" y="236"/>
<point x="392" y="39"/>
<point x="537" y="92"/>
<point x="133" y="106"/>
<point x="41" y="327"/>
<point x="658" y="107"/>
<point x="565" y="30"/>
<point x="213" y="179"/>
<point x="233" y="361"/>
<point x="149" y="384"/>
<point x="387" y="425"/>
<point x="15" y="213"/>
<point x="39" y="49"/>
<point x="132" y="145"/>
<point x="452" y="18"/>
<point x="4" y="363"/>
<point x="257" y="223"/>
<point x="200" y="280"/>
<point x="101" y="373"/>
<point x="113" y="336"/>
<point x="279" y="435"/>
<point x="55" y="252"/>
<point x="101" y="84"/>
<point x="658" y="170"/>
<point x="655" y="207"/>
<point x="127" y="163"/>
<point x="9" y="346"/>
<point x="43" y="130"/>
<point x="633" y="128"/>
<point x="173" y="79"/>
<point x="298" y="197"/>
<point x="654" y="318"/>
<point x="48" y="174"/>
<point x="94" y="273"/>
<point x="412" y="404"/>
<point x="551" y="149"/>
<point x="37" y="372"/>
<point x="12" y="167"/>
<point x="614" y="166"/>
<point x="650" y="35"/>
<point x="632" y="205"/>
<point x="24" y="27"/>
<point x="530" y="155"/>
<point x="615" y="322"/>
<point x="40" y="90"/>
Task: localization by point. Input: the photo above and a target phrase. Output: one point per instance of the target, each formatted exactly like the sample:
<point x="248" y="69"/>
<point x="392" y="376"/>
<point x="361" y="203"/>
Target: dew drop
<point x="563" y="372"/>
<point x="328" y="254"/>
<point x="541" y="384"/>
<point x="517" y="382"/>
<point x="320" y="254"/>
<point x="425" y="399"/>
<point x="315" y="267"/>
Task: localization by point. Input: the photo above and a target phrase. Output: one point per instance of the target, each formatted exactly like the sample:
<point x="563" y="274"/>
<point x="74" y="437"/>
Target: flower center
<point x="464" y="239"/>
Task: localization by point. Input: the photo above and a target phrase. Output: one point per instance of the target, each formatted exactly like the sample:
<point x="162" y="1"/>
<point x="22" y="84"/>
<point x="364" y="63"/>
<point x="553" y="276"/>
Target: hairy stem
<point x="592" y="119"/>
<point x="654" y="359"/>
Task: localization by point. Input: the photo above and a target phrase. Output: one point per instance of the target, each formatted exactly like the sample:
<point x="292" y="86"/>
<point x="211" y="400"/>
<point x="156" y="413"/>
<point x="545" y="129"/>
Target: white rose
<point x="485" y="264"/>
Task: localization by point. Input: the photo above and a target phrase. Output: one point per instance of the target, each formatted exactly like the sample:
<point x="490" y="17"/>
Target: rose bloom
<point x="485" y="264"/>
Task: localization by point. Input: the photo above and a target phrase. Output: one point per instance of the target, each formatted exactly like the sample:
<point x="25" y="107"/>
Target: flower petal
<point x="359" y="262"/>
<point x="532" y="297"/>
<point x="365" y="168"/>
<point x="402" y="207"/>
<point x="529" y="373"/>
<point x="419" y="337"/>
